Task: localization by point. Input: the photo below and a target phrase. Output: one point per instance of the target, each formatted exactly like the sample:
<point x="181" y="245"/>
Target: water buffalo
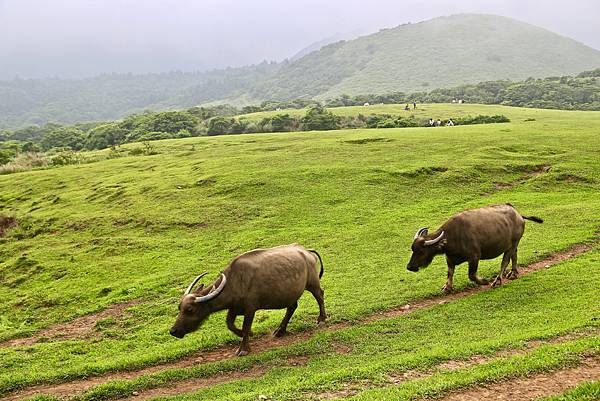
<point x="272" y="278"/>
<point x="470" y="236"/>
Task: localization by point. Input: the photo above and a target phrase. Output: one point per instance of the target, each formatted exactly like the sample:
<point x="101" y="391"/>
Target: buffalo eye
<point x="189" y="309"/>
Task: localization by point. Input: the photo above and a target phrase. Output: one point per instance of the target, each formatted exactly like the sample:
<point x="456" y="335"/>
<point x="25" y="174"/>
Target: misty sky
<point x="77" y="38"/>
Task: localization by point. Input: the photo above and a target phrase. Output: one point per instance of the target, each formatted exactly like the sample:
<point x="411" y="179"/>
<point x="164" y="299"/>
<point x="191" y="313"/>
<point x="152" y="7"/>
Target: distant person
<point x="414" y="105"/>
<point x="406" y="107"/>
<point x="450" y="123"/>
<point x="438" y="123"/>
<point x="431" y="122"/>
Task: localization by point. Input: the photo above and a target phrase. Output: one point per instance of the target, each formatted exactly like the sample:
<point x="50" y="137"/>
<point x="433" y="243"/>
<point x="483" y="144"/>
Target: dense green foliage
<point x="411" y="57"/>
<point x="141" y="226"/>
<point x="194" y="122"/>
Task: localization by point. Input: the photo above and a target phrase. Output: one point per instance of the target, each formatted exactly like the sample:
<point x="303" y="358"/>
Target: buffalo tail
<point x="533" y="218"/>
<point x="320" y="260"/>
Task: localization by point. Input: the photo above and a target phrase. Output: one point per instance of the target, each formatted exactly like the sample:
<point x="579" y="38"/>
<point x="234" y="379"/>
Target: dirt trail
<point x="264" y="343"/>
<point x="352" y="388"/>
<point x="80" y="328"/>
<point x="532" y="387"/>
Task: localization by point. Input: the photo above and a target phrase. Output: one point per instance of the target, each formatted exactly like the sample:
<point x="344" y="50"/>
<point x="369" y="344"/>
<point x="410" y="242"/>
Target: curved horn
<point x="214" y="293"/>
<point x="189" y="289"/>
<point x="435" y="240"/>
<point x="420" y="231"/>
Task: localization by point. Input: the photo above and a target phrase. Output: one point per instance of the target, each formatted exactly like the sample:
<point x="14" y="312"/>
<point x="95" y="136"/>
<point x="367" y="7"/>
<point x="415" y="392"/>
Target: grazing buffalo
<point x="470" y="236"/>
<point x="272" y="278"/>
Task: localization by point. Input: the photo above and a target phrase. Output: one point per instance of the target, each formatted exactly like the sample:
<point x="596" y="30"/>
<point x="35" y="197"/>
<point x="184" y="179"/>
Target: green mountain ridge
<point x="438" y="53"/>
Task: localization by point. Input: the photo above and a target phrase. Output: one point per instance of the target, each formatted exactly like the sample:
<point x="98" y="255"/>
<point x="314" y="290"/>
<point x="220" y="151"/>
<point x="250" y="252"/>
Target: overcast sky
<point x="76" y="38"/>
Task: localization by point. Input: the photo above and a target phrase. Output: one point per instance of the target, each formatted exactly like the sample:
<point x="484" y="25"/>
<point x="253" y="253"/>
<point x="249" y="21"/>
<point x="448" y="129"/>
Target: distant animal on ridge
<point x="272" y="278"/>
<point x="470" y="236"/>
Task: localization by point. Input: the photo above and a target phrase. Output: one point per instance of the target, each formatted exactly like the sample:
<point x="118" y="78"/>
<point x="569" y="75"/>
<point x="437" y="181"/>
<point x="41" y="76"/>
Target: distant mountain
<point x="324" y="42"/>
<point x="439" y="53"/>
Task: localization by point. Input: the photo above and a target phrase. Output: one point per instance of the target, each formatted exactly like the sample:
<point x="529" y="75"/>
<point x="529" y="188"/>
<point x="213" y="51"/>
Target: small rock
<point x="406" y="307"/>
<point x="546" y="266"/>
<point x="135" y="393"/>
<point x="263" y="397"/>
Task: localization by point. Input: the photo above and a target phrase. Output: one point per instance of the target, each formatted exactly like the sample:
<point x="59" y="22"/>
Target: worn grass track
<point x="267" y="342"/>
<point x="346" y="357"/>
<point x="138" y="228"/>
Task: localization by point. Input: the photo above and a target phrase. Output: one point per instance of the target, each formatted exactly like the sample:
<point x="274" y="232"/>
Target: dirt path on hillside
<point x="264" y="343"/>
<point x="79" y="328"/>
<point x="532" y="387"/>
<point x="353" y="387"/>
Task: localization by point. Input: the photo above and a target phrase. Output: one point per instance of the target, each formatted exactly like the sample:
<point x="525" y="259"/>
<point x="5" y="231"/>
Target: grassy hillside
<point x="442" y="52"/>
<point x="141" y="227"/>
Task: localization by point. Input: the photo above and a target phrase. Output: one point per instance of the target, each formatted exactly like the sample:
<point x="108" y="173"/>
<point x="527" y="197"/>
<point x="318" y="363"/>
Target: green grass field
<point x="141" y="227"/>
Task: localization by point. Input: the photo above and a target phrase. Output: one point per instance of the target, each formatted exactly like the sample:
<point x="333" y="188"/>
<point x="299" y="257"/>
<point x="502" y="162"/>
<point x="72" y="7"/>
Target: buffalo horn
<point x="189" y="289"/>
<point x="435" y="240"/>
<point x="214" y="293"/>
<point x="420" y="231"/>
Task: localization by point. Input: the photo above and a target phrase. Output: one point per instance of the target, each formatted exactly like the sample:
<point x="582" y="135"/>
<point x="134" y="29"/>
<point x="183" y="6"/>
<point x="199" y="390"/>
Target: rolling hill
<point x="96" y="256"/>
<point x="439" y="53"/>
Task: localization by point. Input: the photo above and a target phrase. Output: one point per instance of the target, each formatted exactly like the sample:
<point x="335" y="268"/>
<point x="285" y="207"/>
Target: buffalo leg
<point x="505" y="259"/>
<point x="281" y="330"/>
<point x="448" y="287"/>
<point x="318" y="293"/>
<point x="245" y="346"/>
<point x="231" y="323"/>
<point x="514" y="273"/>
<point x="473" y="265"/>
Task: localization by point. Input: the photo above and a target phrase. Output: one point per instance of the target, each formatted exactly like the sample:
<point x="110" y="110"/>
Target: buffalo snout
<point x="412" y="268"/>
<point x="176" y="333"/>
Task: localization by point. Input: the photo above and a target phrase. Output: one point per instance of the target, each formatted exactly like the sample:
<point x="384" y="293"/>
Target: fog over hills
<point x="441" y="52"/>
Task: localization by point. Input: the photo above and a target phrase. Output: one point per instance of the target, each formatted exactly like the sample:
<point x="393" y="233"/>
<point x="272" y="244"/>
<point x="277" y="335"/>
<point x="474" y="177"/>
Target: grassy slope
<point x="441" y="52"/>
<point x="478" y="325"/>
<point x="143" y="226"/>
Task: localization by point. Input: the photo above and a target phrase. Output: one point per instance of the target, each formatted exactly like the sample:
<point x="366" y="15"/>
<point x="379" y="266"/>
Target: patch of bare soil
<point x="532" y="387"/>
<point x="499" y="186"/>
<point x="263" y="343"/>
<point x="6" y="223"/>
<point x="80" y="328"/>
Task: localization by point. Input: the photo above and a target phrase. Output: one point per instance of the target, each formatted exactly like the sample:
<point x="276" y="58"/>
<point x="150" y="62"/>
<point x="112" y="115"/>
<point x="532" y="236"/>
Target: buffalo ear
<point x="200" y="288"/>
<point x="442" y="244"/>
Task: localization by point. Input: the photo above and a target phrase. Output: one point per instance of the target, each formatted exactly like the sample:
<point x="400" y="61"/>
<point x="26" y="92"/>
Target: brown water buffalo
<point x="470" y="236"/>
<point x="272" y="278"/>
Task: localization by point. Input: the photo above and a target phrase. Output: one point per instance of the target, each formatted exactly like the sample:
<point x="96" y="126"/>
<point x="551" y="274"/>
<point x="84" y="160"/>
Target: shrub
<point x="318" y="118"/>
<point x="63" y="137"/>
<point x="105" y="136"/>
<point x="219" y="125"/>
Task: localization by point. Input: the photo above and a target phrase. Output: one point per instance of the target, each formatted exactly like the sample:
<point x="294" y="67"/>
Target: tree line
<point x="581" y="92"/>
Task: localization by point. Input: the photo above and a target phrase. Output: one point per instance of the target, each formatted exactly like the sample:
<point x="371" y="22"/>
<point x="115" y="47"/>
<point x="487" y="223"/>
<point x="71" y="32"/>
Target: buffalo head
<point x="195" y="307"/>
<point x="424" y="249"/>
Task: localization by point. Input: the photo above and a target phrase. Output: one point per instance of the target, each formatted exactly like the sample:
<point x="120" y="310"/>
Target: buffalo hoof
<point x="321" y="319"/>
<point x="280" y="332"/>
<point x="513" y="274"/>
<point x="447" y="289"/>
<point x="497" y="282"/>
<point x="242" y="352"/>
